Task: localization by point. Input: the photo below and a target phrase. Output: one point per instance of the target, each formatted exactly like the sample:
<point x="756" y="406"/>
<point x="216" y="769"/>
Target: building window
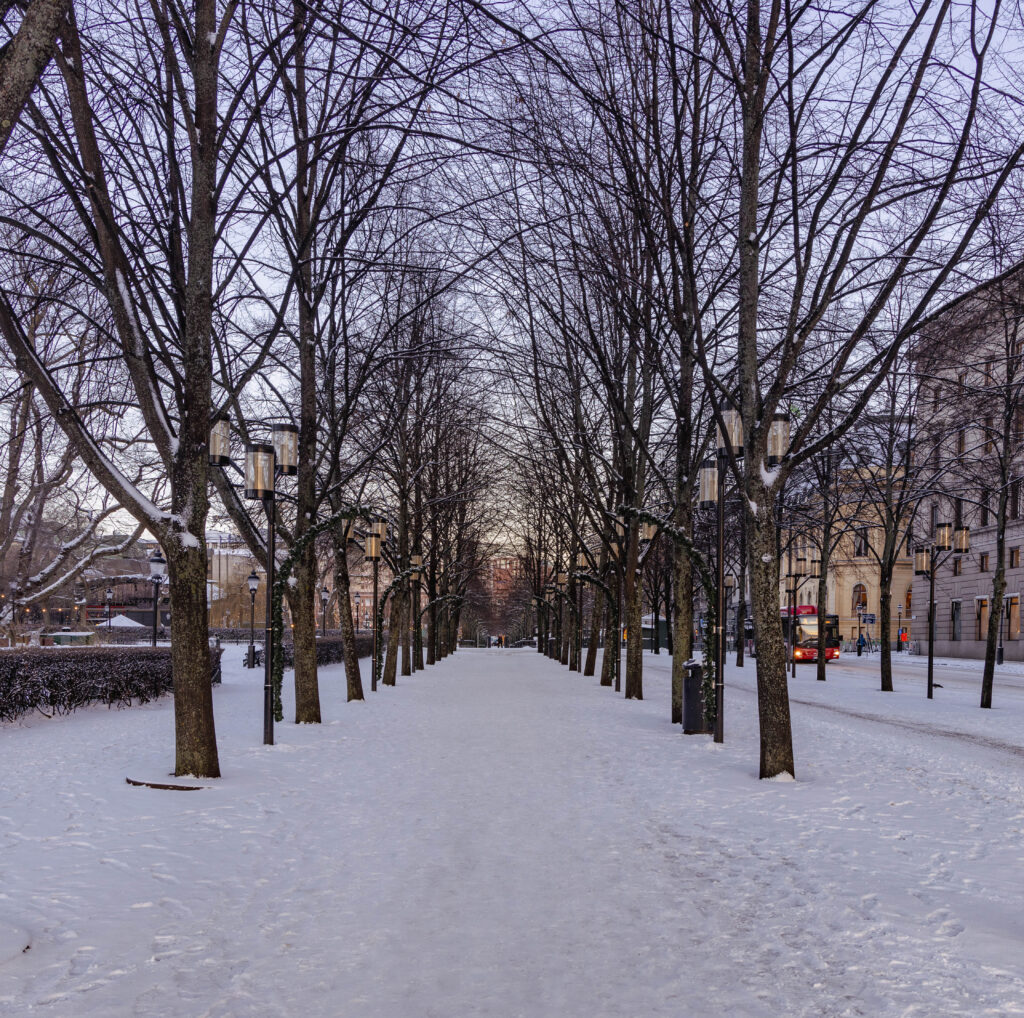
<point x="983" y="562"/>
<point x="908" y="601"/>
<point x="954" y="620"/>
<point x="981" y="625"/>
<point x="986" y="496"/>
<point x="937" y="455"/>
<point x="860" y="598"/>
<point x="860" y="542"/>
<point x="1013" y="618"/>
<point x="957" y="566"/>
<point x="934" y="521"/>
<point x="989" y="366"/>
<point x="1013" y="510"/>
<point x="958" y="512"/>
<point x="961" y="442"/>
<point x="1015" y="558"/>
<point x="989" y="433"/>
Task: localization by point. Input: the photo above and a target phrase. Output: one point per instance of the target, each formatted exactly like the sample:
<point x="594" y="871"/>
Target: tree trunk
<point x="302" y="600"/>
<point x="610" y="642"/>
<point x="348" y="634"/>
<point x="194" y="731"/>
<point x="884" y="619"/>
<point x="772" y="687"/>
<point x="595" y="632"/>
<point x="682" y="623"/>
<point x="634" y="624"/>
<point x="822" y="602"/>
<point x="395" y="627"/>
<point x="26" y="57"/>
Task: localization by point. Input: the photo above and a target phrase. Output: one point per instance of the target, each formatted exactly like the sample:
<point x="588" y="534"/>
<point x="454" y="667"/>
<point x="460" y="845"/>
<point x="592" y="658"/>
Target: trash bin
<point x="693" y="700"/>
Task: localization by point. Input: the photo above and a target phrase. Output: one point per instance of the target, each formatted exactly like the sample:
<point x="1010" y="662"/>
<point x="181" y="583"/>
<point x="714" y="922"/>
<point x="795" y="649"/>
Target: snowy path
<point x="500" y="837"/>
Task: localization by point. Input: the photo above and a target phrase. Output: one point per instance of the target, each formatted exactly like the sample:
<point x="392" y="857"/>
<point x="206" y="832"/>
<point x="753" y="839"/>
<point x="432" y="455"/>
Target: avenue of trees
<point x="507" y="274"/>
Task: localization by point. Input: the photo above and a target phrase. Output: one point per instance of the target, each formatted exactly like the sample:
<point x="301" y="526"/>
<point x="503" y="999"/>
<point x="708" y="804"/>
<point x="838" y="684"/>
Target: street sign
<point x="868" y="619"/>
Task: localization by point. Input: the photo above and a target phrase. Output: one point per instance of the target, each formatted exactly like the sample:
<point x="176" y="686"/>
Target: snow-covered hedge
<point x="59" y="680"/>
<point x="331" y="650"/>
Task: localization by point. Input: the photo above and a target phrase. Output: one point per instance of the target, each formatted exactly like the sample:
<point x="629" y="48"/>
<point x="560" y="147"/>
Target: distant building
<point x="969" y="362"/>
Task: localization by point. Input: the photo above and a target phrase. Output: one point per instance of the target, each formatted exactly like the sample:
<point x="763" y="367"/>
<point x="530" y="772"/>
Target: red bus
<point x="801" y="633"/>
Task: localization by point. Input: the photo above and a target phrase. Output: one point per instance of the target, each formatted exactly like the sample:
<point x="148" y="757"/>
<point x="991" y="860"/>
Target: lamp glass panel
<point x="778" y="439"/>
<point x="962" y="540"/>
<point x="944" y="536"/>
<point x="708" y="481"/>
<point x="922" y="561"/>
<point x="286" y="448"/>
<point x="259" y="471"/>
<point x="220" y="442"/>
<point x="372" y="546"/>
<point x="734" y="429"/>
<point x="253" y="581"/>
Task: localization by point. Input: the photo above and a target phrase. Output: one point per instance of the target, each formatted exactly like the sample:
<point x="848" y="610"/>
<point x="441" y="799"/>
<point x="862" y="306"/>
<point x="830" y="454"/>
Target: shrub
<point x="59" y="680"/>
<point x="331" y="650"/>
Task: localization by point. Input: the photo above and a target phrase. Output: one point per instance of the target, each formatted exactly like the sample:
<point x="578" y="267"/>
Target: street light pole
<point x="253" y="582"/>
<point x="899" y="628"/>
<point x="109" y="595"/>
<point x="926" y="563"/>
<point x="357" y="612"/>
<point x="1002" y="622"/>
<point x="325" y="596"/>
<point x="157" y="568"/>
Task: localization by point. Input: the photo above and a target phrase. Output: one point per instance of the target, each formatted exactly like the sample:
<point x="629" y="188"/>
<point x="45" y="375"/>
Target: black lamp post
<point x="861" y="608"/>
<point x="1003" y="622"/>
<point x="325" y="596"/>
<point x="357" y="611"/>
<point x="157" y="571"/>
<point x="253" y="583"/>
<point x="263" y="463"/>
<point x="374" y="539"/>
<point x="109" y="595"/>
<point x="712" y="495"/>
<point x="581" y="567"/>
<point x="561" y="582"/>
<point x="416" y="567"/>
<point x="927" y="560"/>
<point x="899" y="628"/>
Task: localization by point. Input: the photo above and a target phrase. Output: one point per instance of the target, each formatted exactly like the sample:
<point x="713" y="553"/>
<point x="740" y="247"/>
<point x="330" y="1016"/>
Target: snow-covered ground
<point x="498" y="836"/>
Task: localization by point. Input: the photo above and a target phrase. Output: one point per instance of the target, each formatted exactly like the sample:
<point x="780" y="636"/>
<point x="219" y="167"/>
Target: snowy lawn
<point x="498" y="836"/>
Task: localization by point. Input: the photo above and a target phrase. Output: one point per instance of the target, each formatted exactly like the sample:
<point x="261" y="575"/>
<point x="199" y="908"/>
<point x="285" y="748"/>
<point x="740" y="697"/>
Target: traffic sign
<point x="868" y="619"/>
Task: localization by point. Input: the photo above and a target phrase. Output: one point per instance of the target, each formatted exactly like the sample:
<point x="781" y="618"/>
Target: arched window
<point x="860" y="598"/>
<point x="908" y="600"/>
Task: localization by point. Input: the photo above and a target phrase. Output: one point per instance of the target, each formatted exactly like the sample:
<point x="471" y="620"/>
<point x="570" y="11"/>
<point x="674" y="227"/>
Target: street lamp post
<point x="712" y="495"/>
<point x="325" y="596"/>
<point x="926" y="563"/>
<point x="861" y="607"/>
<point x="376" y="536"/>
<point x="253" y="583"/>
<point x="157" y="569"/>
<point x="561" y="582"/>
<point x="581" y="566"/>
<point x="1002" y="622"/>
<point x="416" y="567"/>
<point x="109" y="595"/>
<point x="357" y="612"/>
<point x="899" y="628"/>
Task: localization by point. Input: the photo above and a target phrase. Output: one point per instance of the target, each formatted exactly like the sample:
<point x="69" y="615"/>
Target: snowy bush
<point x="59" y="680"/>
<point x="331" y="650"/>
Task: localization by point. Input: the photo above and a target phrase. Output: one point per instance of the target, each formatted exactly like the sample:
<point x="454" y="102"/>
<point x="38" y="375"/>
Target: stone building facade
<point x="969" y="439"/>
